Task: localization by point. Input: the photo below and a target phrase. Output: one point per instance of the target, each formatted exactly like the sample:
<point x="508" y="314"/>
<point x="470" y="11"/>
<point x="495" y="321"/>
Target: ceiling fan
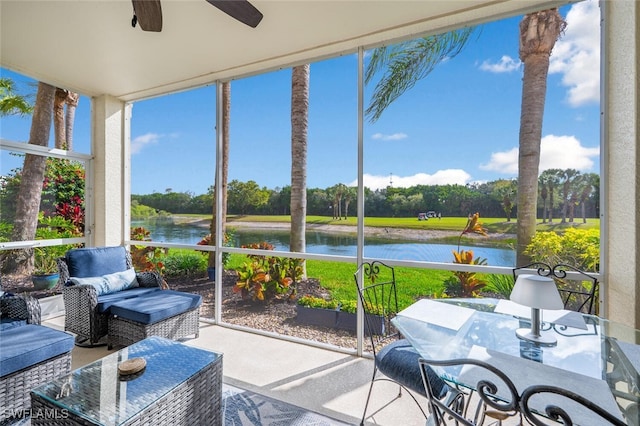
<point x="148" y="13"/>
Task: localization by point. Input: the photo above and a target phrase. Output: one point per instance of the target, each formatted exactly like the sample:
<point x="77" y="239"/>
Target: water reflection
<point x="326" y="243"/>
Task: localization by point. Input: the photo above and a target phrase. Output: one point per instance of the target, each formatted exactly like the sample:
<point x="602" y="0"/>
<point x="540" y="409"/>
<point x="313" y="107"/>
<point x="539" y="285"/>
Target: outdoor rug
<point x="245" y="408"/>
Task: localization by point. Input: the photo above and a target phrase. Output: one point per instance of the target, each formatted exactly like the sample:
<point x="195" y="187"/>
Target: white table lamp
<point x="538" y="293"/>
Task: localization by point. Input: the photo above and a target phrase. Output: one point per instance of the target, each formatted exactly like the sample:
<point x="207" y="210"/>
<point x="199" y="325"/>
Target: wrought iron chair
<point x="497" y="396"/>
<point x="554" y="413"/>
<point x="576" y="296"/>
<point x="394" y="357"/>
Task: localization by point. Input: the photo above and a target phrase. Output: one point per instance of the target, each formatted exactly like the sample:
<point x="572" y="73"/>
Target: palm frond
<point x="406" y="63"/>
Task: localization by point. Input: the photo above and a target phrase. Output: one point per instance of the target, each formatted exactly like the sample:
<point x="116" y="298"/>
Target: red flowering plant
<point x="466" y="284"/>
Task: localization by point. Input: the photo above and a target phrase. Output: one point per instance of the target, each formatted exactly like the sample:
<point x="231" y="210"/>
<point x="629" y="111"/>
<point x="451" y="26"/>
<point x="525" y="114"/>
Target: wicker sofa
<point x="107" y="302"/>
<point x="30" y="354"/>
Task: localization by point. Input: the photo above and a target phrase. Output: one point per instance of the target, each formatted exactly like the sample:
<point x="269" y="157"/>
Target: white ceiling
<point x="89" y="46"/>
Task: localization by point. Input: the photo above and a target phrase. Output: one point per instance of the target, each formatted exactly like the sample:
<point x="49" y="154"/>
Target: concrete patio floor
<point x="327" y="382"/>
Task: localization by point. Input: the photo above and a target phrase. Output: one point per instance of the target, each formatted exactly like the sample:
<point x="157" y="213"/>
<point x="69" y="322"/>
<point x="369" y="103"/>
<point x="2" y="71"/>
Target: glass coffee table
<point x="180" y="385"/>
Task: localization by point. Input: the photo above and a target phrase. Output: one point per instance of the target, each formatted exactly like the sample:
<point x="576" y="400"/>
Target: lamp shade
<point x="536" y="292"/>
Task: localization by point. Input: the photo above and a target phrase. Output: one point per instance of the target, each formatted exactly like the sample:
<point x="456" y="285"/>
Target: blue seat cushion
<point x="96" y="261"/>
<point x="399" y="361"/>
<point x="106" y="300"/>
<point x="157" y="306"/>
<point x="7" y="323"/>
<point x="29" y="345"/>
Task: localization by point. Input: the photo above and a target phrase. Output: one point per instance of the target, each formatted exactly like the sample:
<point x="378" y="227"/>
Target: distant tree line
<point x="563" y="196"/>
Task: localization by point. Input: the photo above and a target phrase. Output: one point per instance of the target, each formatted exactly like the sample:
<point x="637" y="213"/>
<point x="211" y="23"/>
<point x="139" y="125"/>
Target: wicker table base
<point x="124" y="332"/>
<point x="180" y="385"/>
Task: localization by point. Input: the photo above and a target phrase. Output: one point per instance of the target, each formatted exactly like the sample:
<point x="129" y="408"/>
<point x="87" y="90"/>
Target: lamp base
<point x="526" y="334"/>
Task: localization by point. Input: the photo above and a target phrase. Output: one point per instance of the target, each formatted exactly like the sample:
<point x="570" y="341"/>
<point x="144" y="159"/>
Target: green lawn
<point x="495" y="225"/>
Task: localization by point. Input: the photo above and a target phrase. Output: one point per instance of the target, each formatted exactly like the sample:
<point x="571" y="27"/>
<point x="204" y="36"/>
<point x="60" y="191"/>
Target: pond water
<point x="334" y="244"/>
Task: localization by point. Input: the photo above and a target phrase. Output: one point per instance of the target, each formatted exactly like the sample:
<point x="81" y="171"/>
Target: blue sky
<point x="458" y="125"/>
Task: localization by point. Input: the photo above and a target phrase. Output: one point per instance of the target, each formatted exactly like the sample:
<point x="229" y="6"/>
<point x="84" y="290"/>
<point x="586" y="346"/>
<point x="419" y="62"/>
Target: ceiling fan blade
<point x="148" y="14"/>
<point x="241" y="10"/>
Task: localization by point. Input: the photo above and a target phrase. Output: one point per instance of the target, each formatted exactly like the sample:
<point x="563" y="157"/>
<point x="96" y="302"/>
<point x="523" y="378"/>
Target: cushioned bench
<point x="30" y="354"/>
<point x="165" y="313"/>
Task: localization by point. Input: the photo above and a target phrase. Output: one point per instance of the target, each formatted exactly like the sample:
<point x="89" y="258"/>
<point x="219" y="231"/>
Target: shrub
<point x="184" y="264"/>
<point x="317" y="302"/>
<point x="351" y="306"/>
<point x="500" y="284"/>
<point x="579" y="248"/>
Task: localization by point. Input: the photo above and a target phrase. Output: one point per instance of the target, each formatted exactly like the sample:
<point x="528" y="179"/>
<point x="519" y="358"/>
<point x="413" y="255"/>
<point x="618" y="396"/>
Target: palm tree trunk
<point x="28" y="200"/>
<point x="58" y="118"/>
<point x="534" y="88"/>
<point x="538" y="34"/>
<point x="70" y="116"/>
<point x="222" y="186"/>
<point x="299" y="127"/>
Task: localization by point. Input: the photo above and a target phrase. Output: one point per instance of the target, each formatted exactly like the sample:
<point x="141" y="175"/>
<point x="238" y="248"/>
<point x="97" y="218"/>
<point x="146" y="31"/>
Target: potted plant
<point x="317" y="311"/>
<point x="347" y="318"/>
<point x="45" y="273"/>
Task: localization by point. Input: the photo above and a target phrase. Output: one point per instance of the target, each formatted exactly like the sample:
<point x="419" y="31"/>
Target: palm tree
<point x="568" y="176"/>
<point x="539" y="32"/>
<point x="222" y="186"/>
<point x="552" y="177"/>
<point x="590" y="183"/>
<point x="349" y="195"/>
<point x="408" y="62"/>
<point x="63" y="121"/>
<point x="12" y="103"/>
<point x="544" y="193"/>
<point x="28" y="201"/>
<point x="299" y="127"/>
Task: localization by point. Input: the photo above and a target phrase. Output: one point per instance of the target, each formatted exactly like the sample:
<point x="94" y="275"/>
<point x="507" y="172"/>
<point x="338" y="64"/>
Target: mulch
<point x="196" y="284"/>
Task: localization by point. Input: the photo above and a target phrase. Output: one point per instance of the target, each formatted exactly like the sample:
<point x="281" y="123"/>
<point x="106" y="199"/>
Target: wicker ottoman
<point x="169" y="314"/>
<point x="180" y="385"/>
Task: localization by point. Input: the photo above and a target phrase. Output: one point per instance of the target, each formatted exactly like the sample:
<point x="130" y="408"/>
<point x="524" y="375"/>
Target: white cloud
<point x="503" y="162"/>
<point x="506" y="64"/>
<point x="441" y="177"/>
<point x="576" y="54"/>
<point x="556" y="152"/>
<point x="138" y="143"/>
<point x="566" y="152"/>
<point x="391" y="137"/>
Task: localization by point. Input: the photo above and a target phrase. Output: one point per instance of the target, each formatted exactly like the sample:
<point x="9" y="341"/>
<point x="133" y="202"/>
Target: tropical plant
<point x="10" y="102"/>
<point x="146" y="258"/>
<point x="539" y="32"/>
<point x="466" y="284"/>
<point x="44" y="261"/>
<point x="265" y="278"/>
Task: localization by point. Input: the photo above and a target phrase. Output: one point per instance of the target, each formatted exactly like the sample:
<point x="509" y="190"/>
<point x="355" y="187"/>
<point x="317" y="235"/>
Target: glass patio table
<point x="593" y="357"/>
<point x="180" y="385"/>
